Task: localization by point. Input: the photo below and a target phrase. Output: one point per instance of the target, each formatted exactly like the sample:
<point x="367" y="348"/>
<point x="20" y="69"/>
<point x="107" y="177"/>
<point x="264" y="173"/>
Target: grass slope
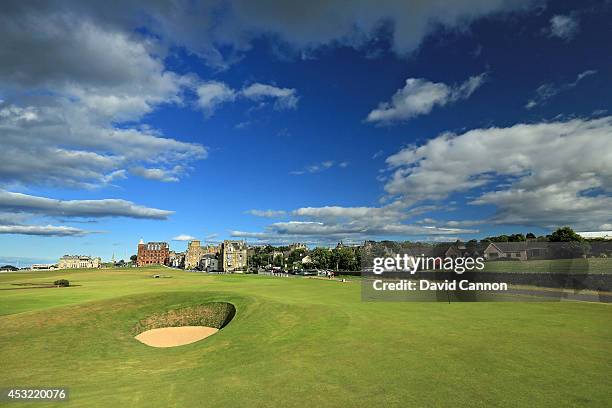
<point x="298" y="342"/>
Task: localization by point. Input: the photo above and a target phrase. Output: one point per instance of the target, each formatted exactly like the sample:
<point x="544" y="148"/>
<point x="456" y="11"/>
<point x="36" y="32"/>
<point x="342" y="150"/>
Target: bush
<point x="62" y="282"/>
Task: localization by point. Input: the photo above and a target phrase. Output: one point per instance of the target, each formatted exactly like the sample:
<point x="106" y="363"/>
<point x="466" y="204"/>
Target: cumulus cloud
<point x="183" y="237"/>
<point x="305" y="26"/>
<point x="165" y="175"/>
<point x="267" y="213"/>
<point x="221" y="31"/>
<point x="544" y="174"/>
<point x="74" y="92"/>
<point x="541" y="174"/>
<point x="419" y="96"/>
<point x="213" y="94"/>
<point x="564" y="27"/>
<point x="285" y="98"/>
<point x="23" y="203"/>
<point x="548" y="90"/>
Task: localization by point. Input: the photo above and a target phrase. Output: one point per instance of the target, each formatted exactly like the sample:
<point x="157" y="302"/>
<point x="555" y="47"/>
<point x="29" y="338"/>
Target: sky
<point x="312" y="122"/>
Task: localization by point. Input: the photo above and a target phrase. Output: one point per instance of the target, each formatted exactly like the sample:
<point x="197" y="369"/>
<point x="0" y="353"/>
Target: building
<point x="234" y="255"/>
<point x="176" y="259"/>
<point x="195" y="253"/>
<point x="516" y="250"/>
<point x="297" y="245"/>
<point x="595" y="234"/>
<point x="209" y="263"/>
<point x="153" y="253"/>
<point x="42" y="267"/>
<point x="78" y="261"/>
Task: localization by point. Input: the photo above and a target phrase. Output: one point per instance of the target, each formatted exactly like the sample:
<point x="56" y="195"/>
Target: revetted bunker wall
<point x="214" y="314"/>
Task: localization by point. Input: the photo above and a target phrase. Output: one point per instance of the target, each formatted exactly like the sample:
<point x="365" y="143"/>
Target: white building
<point x="595" y="234"/>
<point x="42" y="267"/>
<point x="234" y="256"/>
<point x="209" y="263"/>
<point x="78" y="261"/>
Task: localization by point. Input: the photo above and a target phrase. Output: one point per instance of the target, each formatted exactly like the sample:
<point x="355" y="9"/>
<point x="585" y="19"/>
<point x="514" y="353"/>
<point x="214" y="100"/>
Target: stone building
<point x="234" y="254"/>
<point x="153" y="253"/>
<point x="176" y="259"/>
<point x="195" y="253"/>
<point x="297" y="245"/>
<point x="78" y="261"/>
<point x="209" y="263"/>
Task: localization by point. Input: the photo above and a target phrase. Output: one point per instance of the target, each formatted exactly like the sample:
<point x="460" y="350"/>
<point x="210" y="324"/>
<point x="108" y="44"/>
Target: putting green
<point x="297" y="342"/>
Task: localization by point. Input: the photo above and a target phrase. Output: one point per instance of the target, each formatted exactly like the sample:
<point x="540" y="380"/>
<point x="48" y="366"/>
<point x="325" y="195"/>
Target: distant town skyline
<point x="353" y="121"/>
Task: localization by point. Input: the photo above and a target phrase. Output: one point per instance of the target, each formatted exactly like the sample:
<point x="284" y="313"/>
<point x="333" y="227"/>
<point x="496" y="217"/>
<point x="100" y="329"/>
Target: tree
<point x="296" y="256"/>
<point x="321" y="258"/>
<point x="564" y="234"/>
<point x="134" y="258"/>
<point x="516" y="238"/>
<point x="346" y="259"/>
<point x="530" y="235"/>
<point x="573" y="245"/>
<point x="279" y="261"/>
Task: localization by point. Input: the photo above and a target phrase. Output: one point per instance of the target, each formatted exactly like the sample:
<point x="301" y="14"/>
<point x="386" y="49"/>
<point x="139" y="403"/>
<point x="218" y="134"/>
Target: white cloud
<point x="320" y="225"/>
<point x="165" y="175"/>
<point x="267" y="213"/>
<point x="212" y="94"/>
<point x="564" y="27"/>
<point x="419" y="96"/>
<point x="548" y="90"/>
<point x="183" y="237"/>
<point x="544" y="174"/>
<point x="74" y="92"/>
<point x="285" y="98"/>
<point x="318" y="167"/>
<point x="42" y="230"/>
<point x="29" y="204"/>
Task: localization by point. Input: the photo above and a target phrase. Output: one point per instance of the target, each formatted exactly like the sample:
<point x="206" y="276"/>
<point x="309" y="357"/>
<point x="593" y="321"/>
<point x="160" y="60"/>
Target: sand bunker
<point x="175" y="336"/>
<point x="185" y="325"/>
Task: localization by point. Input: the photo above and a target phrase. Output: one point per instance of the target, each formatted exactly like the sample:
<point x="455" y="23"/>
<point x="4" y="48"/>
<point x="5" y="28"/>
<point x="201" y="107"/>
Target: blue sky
<point x="288" y="123"/>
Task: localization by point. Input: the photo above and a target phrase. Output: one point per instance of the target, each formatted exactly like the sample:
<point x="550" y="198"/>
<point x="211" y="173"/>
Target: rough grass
<point x="214" y="314"/>
<point x="299" y="342"/>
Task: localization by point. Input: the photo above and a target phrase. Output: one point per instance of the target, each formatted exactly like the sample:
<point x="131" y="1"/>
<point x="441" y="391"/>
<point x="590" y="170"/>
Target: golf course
<point x="294" y="342"/>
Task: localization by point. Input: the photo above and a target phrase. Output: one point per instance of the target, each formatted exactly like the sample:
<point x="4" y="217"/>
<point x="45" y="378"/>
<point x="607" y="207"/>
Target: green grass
<point x="572" y="266"/>
<point x="298" y="342"/>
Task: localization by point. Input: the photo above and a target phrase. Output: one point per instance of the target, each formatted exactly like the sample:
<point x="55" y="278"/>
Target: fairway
<point x="296" y="342"/>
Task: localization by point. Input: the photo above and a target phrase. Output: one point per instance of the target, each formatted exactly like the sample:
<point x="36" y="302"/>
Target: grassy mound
<point x="214" y="314"/>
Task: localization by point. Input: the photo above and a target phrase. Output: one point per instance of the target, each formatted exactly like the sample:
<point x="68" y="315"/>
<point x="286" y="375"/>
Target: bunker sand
<point x="175" y="336"/>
